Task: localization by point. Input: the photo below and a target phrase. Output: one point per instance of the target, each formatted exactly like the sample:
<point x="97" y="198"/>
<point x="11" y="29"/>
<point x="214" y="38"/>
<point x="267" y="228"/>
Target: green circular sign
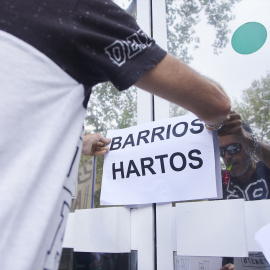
<point x="249" y="38"/>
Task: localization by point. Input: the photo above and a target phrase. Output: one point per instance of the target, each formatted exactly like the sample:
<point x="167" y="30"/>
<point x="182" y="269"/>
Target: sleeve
<point x="112" y="46"/>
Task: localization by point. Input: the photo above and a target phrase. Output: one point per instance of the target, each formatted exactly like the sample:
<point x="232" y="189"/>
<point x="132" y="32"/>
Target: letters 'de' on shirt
<point x="52" y="53"/>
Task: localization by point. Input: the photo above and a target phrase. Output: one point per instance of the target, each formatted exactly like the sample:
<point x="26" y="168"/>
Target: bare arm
<point x="173" y="80"/>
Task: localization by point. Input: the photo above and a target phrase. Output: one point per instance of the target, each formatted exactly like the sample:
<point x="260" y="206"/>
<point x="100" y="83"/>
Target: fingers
<point x="230" y="128"/>
<point x="228" y="266"/>
<point x="95" y="144"/>
<point x="101" y="151"/>
<point x="104" y="140"/>
<point x="232" y="117"/>
<point x="100" y="148"/>
<point x="99" y="139"/>
<point x="232" y="125"/>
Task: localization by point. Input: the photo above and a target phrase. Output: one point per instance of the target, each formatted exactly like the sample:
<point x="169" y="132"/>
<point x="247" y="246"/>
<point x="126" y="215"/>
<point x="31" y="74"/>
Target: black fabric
<point x="227" y="260"/>
<point x="75" y="35"/>
<point x="257" y="188"/>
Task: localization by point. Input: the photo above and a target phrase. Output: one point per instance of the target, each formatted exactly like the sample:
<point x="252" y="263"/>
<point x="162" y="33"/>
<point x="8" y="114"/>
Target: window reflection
<point x="97" y="261"/>
<point x="200" y="34"/>
<point x="108" y="109"/>
<point x="129" y="5"/>
<point x="105" y="261"/>
<point x="246" y="175"/>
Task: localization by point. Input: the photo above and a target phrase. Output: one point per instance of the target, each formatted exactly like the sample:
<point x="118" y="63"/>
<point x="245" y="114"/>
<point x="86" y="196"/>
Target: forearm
<point x="175" y="81"/>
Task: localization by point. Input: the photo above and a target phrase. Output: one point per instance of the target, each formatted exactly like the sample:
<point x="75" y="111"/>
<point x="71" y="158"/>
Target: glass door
<point x="226" y="41"/>
<point x="203" y="34"/>
<point x="110" y="109"/>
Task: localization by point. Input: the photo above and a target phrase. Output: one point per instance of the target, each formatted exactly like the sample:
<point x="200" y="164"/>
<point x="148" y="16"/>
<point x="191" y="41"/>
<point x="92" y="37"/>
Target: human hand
<point x="228" y="266"/>
<point x="234" y="127"/>
<point x="231" y="125"/>
<point x="95" y="145"/>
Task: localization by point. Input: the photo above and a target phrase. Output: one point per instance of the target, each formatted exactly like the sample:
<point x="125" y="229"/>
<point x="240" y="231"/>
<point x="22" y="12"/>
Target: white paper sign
<point x="102" y="230"/>
<point x="211" y="228"/>
<point x="161" y="161"/>
<point x="257" y="216"/>
<point x="262" y="237"/>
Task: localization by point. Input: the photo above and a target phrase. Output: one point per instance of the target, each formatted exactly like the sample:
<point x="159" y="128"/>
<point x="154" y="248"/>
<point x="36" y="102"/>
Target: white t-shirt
<point x="41" y="121"/>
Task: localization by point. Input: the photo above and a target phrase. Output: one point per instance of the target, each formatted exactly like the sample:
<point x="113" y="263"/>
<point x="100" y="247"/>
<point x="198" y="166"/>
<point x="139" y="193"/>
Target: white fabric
<point x="41" y="123"/>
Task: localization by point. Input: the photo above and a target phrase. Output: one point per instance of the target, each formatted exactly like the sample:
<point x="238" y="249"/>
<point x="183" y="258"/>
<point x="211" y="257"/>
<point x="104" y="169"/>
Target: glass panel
<point x="107" y="109"/>
<point x="200" y="33"/>
<point x="66" y="262"/>
<point x="97" y="261"/>
<point x="201" y="263"/>
<point x="208" y="35"/>
<point x="104" y="261"/>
